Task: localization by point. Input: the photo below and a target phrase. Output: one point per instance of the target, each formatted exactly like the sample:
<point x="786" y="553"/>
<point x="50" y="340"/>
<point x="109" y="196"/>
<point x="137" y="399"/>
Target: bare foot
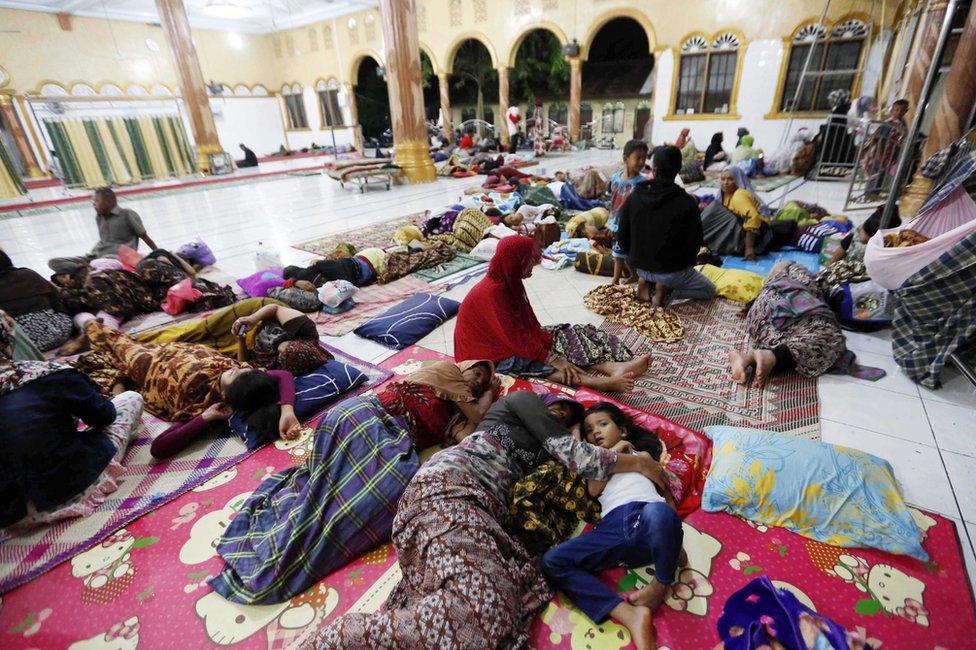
<point x="643" y="292"/>
<point x="638" y="621"/>
<point x="636" y="366"/>
<point x="630" y="279"/>
<point x="651" y="596"/>
<point x="622" y="383"/>
<point x="765" y="362"/>
<point x="740" y="365"/>
<point x="660" y="296"/>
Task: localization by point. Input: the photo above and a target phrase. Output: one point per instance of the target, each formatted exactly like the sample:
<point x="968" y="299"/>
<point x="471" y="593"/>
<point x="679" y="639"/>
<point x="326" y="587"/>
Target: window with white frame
<point x="833" y="64"/>
<point x="329" y="102"/>
<point x="706" y="74"/>
<point x="295" y="106"/>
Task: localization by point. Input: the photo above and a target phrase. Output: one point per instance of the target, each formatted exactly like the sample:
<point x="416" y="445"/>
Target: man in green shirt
<point x="116" y="226"/>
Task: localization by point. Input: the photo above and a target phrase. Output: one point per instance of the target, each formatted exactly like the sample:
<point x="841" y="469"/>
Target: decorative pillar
<point x="447" y="125"/>
<point x="193" y="89"/>
<point x="924" y="53"/>
<point x="951" y="113"/>
<point x="403" y="79"/>
<point x="575" y="96"/>
<point x="503" y="104"/>
<point x="20" y="137"/>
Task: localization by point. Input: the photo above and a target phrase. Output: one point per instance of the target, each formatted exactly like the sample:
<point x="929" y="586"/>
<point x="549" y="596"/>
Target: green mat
<point x="461" y="262"/>
<point x="761" y="184"/>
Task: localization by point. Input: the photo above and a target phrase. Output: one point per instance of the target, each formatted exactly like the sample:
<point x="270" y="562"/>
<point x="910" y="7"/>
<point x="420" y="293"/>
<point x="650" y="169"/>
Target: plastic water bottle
<point x="266" y="258"/>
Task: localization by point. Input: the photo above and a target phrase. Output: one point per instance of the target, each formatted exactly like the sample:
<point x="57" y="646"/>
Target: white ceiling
<point x="266" y="15"/>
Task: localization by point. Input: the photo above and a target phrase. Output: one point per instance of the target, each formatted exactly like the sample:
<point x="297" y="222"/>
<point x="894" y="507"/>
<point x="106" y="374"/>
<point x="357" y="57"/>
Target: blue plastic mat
<point x="765" y="262"/>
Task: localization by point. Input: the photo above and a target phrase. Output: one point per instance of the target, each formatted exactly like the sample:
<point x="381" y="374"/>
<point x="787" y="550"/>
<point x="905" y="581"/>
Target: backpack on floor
<point x="864" y="306"/>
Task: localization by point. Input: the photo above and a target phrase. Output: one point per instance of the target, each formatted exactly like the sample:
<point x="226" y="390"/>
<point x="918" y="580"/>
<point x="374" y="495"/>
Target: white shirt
<point x="512" y="127"/>
<point x="626" y="488"/>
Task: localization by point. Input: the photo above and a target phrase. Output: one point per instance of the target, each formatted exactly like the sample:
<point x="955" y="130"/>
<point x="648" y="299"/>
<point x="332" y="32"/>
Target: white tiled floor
<point x="928" y="436"/>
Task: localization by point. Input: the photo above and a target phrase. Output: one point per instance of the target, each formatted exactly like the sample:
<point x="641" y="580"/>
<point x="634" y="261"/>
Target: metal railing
<point x="876" y="165"/>
<point x="836" y="150"/>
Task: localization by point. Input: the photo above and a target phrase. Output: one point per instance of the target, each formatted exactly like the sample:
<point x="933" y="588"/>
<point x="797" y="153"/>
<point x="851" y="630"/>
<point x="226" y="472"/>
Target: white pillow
<point x="485" y="249"/>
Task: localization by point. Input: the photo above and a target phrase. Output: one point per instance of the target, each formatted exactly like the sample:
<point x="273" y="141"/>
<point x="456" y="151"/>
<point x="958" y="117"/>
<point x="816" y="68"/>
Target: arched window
<point x="295" y="106"/>
<point x="706" y="74"/>
<point x="468" y="113"/>
<point x="329" y="102"/>
<point x="833" y="64"/>
<point x="586" y="113"/>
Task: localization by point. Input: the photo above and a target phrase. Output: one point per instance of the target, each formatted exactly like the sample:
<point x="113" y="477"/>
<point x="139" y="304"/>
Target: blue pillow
<point x="312" y="391"/>
<point x="405" y="324"/>
<point x="835" y="495"/>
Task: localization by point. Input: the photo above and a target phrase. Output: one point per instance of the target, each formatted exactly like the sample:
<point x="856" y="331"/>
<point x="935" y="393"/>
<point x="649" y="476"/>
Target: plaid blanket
<point x="935" y="314"/>
<point x="304" y="523"/>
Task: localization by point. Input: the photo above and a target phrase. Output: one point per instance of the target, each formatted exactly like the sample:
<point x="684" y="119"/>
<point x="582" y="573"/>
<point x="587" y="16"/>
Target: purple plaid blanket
<point x="146" y="485"/>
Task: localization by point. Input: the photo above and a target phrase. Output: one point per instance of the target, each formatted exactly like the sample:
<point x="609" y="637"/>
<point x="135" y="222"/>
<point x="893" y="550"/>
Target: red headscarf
<point x="496" y="321"/>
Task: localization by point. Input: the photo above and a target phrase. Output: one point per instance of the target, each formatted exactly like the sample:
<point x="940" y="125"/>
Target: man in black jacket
<point x="660" y="226"/>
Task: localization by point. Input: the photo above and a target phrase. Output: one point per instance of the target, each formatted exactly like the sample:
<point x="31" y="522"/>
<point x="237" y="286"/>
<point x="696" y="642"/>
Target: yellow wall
<point x="99" y="51"/>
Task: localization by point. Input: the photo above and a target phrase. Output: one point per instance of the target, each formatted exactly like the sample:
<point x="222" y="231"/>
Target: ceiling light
<point x="226" y="10"/>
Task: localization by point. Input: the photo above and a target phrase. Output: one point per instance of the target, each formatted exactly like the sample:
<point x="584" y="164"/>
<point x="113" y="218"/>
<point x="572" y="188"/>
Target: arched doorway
<point x="618" y="71"/>
<point x="474" y="84"/>
<point x="541" y="72"/>
<point x="372" y="100"/>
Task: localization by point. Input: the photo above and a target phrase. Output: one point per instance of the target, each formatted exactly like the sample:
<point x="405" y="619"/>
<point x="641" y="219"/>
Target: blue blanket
<point x="765" y="262"/>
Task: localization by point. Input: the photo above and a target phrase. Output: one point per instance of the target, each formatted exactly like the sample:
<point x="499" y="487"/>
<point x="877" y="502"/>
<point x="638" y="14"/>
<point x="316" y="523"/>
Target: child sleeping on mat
<point x="639" y="526"/>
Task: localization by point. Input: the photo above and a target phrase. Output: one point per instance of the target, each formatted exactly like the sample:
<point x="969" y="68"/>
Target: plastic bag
<point x="179" y="296"/>
<point x="265" y="258"/>
<point x="129" y="257"/>
<point x="198" y="253"/>
<point x="336" y="292"/>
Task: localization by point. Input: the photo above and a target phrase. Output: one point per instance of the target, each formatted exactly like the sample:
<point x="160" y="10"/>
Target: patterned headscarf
<point x="15" y="374"/>
<point x="839" y="98"/>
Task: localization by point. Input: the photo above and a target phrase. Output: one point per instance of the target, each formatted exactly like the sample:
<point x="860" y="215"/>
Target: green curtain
<point x="142" y="158"/>
<point x="10" y="183"/>
<point x="120" y="149"/>
<point x="66" y="154"/>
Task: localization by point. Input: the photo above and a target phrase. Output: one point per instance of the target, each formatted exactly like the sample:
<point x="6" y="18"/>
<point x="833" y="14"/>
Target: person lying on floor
<point x="854" y="244"/>
<point x="35" y="304"/>
<point x="116" y="226"/>
<point x="467" y="582"/>
<point x="192" y="385"/>
<point x="360" y="269"/>
<point x="49" y="470"/>
<point x="259" y="331"/>
<point x="660" y="232"/>
<point x="790" y="327"/>
<point x="442" y="403"/>
<point x="496" y="322"/>
<point x="735" y="225"/>
<point x="639" y="526"/>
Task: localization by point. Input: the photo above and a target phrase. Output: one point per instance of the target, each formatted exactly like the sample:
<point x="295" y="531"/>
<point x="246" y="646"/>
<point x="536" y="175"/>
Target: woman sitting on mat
<point x="790" y="327"/>
<point x="735" y="225"/>
<point x="466" y="581"/>
<point x="193" y="385"/>
<point x="49" y="469"/>
<point x="496" y="322"/>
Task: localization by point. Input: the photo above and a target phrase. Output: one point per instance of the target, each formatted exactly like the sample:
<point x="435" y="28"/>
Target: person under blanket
<point x="49" y="469"/>
<point x="496" y="322"/>
<point x="790" y="327"/>
<point x="638" y="527"/>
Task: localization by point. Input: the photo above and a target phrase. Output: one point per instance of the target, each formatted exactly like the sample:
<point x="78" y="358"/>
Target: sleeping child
<point x="638" y="527"/>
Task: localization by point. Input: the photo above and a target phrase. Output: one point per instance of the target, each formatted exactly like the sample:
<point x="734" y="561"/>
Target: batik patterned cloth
<point x="305" y="522"/>
<point x="178" y="380"/>
<point x="426" y="414"/>
<point x="934" y="314"/>
<point x="841" y="272"/>
<point x="809" y="330"/>
<point x="585" y="345"/>
<point x="546" y="506"/>
<point x="400" y="264"/>
<point x="620" y="305"/>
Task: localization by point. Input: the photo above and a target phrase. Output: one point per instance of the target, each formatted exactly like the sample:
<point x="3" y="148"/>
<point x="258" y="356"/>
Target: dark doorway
<point x="372" y="99"/>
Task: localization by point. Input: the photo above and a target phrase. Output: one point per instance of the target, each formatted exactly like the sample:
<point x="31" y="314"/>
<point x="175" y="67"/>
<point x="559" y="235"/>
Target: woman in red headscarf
<point x="496" y="322"/>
